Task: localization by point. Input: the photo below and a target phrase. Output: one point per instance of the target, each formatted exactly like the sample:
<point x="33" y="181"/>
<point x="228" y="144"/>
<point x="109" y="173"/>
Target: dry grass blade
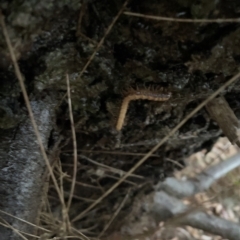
<point x="141" y="161"/>
<point x="74" y="230"/>
<point x="82" y="184"/>
<point x="75" y="160"/>
<point x="174" y="162"/>
<point x="82" y="198"/>
<point x="81" y="13"/>
<point x="22" y="220"/>
<point x="7" y="225"/>
<point x="112" y="152"/>
<point x="103" y="38"/>
<point x="184" y="20"/>
<point x="117" y="178"/>
<point x="65" y="224"/>
<point x="111" y="169"/>
<point x="115" y="214"/>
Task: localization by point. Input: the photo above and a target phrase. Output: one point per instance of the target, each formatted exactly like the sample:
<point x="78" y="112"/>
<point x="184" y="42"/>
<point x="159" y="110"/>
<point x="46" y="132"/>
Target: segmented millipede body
<point x="151" y="94"/>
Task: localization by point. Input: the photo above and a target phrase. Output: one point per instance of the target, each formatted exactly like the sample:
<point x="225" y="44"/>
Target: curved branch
<point x="162" y="202"/>
<point x="201" y="182"/>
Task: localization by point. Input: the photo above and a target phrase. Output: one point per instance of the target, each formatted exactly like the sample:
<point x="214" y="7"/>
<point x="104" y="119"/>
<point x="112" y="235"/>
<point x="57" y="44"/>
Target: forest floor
<point x="222" y="200"/>
<point x="105" y="50"/>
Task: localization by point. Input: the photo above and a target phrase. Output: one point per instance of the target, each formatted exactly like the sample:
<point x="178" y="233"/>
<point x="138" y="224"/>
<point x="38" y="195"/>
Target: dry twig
<point x="115" y="214"/>
<point x="183" y="20"/>
<point x="75" y="160"/>
<point x="7" y="225"/>
<point x="114" y="170"/>
<point x="103" y="38"/>
<point x="22" y="220"/>
<point x="81" y="13"/>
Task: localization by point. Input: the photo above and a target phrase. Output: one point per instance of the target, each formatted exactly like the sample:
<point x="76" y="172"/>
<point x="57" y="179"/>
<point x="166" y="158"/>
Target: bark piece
<point x="22" y="168"/>
<point x="221" y="112"/>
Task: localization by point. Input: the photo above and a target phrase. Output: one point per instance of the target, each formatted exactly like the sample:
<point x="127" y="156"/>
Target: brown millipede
<point x="151" y="94"/>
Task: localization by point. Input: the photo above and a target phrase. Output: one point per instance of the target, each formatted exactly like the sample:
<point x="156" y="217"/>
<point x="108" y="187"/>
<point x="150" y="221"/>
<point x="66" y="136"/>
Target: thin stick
<point x="114" y="170"/>
<point x="7" y="225"/>
<point x="82" y="8"/>
<point x="115" y="214"/>
<point x="65" y="218"/>
<point x="75" y="160"/>
<point x="141" y="161"/>
<point x="80" y="233"/>
<point x="184" y="20"/>
<point x="30" y="112"/>
<point x="82" y="198"/>
<point x="111" y="152"/>
<point x="117" y="178"/>
<point x="82" y="184"/>
<point x="22" y="220"/>
<point x="103" y="38"/>
<point x="87" y="38"/>
<point x="174" y="162"/>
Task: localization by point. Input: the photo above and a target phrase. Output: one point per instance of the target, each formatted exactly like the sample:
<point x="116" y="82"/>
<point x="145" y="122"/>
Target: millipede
<point x="151" y="93"/>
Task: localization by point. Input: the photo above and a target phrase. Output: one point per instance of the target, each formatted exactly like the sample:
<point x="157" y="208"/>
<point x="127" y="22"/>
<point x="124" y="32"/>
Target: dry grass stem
<point x="82" y="236"/>
<point x="48" y="214"/>
<point x="103" y="38"/>
<point x="69" y="237"/>
<point x="7" y="225"/>
<point x="117" y="178"/>
<point x="115" y="214"/>
<point x="22" y="220"/>
<point x="87" y="230"/>
<point x="173" y="131"/>
<point x="83" y="199"/>
<point x="82" y="184"/>
<point x="87" y="38"/>
<point x="174" y="162"/>
<point x="111" y="169"/>
<point x="81" y="13"/>
<point x="184" y="20"/>
<point x="65" y="223"/>
<point x="79" y="198"/>
<point x="111" y="152"/>
<point x="75" y="160"/>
